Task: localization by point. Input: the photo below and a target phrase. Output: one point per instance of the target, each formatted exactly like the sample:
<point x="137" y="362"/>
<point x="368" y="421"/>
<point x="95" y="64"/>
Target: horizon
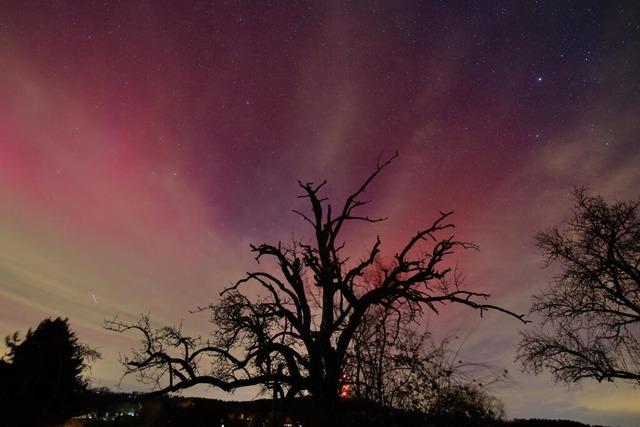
<point x="145" y="146"/>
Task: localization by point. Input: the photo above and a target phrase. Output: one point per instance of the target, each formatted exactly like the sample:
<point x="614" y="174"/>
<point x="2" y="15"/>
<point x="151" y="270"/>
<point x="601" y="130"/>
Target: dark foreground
<point x="129" y="411"/>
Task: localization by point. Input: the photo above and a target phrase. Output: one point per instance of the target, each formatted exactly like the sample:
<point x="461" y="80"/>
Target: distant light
<point x="539" y="78"/>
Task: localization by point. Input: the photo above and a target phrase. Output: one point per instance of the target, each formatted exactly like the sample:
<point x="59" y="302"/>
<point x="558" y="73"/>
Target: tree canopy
<point x="42" y="374"/>
<point x="590" y="314"/>
<point x="396" y="366"/>
<point x="291" y="328"/>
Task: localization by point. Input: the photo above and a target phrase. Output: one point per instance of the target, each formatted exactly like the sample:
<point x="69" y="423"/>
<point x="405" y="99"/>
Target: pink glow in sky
<point x="144" y="145"/>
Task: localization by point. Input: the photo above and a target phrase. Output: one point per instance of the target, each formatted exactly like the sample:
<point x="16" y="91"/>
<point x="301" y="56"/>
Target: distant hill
<point x="534" y="422"/>
<point x="128" y="410"/>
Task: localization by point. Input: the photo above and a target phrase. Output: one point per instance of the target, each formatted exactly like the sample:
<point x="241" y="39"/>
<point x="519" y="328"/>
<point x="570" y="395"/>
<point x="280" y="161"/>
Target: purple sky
<point x="144" y="145"/>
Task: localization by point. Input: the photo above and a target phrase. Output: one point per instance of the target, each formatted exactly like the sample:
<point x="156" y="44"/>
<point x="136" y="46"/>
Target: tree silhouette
<point x="394" y="366"/>
<point x="43" y="383"/>
<point x="590" y="325"/>
<point x="293" y="330"/>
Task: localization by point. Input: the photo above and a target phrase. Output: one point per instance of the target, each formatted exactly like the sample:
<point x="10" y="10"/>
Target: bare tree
<point x="392" y="364"/>
<point x="590" y="325"/>
<point x="292" y="329"/>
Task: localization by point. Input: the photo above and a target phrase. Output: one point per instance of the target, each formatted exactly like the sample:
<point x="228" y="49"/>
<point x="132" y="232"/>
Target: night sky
<point x="144" y="145"/>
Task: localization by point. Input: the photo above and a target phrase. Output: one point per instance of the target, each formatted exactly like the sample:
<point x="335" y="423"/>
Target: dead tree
<point x="590" y="315"/>
<point x="293" y="326"/>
